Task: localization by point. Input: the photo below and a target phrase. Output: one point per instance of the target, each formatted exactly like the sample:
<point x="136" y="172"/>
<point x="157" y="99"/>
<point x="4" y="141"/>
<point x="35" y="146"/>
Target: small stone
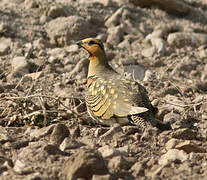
<point x="19" y="144"/>
<point x="173" y="7"/>
<point x="137" y="168"/>
<point x="58" y="53"/>
<point x="173" y="155"/>
<point x="135" y="71"/>
<point x="69" y="143"/>
<point x="35" y="75"/>
<point x="202" y="85"/>
<point x="128" y="130"/>
<point x="104" y="2"/>
<point x="52" y="150"/>
<point x="84" y="164"/>
<point x="80" y="108"/>
<point x="100" y="131"/>
<point x="159" y="44"/>
<point x="171" y="143"/>
<point x="39" y="133"/>
<point x="181" y="39"/>
<point x="116" y="129"/>
<point x="60" y="32"/>
<point x="15" y="1"/>
<point x="4" y="28"/>
<point x="173" y="103"/>
<point x="196" y="157"/>
<point x="53" y="60"/>
<point x="125" y="43"/>
<point x="203" y="107"/>
<point x="115" y="35"/>
<point x="75" y="132"/>
<point x="114" y="20"/>
<point x="20" y="66"/>
<point x="204" y="73"/>
<point x="157" y="41"/>
<point x="204" y="76"/>
<point x="41" y="44"/>
<point x="58" y="134"/>
<point x="159" y="32"/>
<point x="101" y="177"/>
<point x="203" y="53"/>
<point x="22" y="167"/>
<point x="102" y="37"/>
<point x="124" y="150"/>
<point x="149" y="133"/>
<point x="185" y="134"/>
<point x="108" y="151"/>
<point x="5" y="44"/>
<point x="56" y="11"/>
<point x="155" y="102"/>
<point x="44" y="19"/>
<point x="172" y="117"/>
<point x="29" y="4"/>
<point x="36" y="176"/>
<point x="6" y="162"/>
<point x="117" y="164"/>
<point x="170" y="90"/>
<point x="189" y="147"/>
<point x="68" y="67"/>
<point x="149" y="75"/>
<point x="72" y="48"/>
<point x="4" y="135"/>
<point x="148" y="52"/>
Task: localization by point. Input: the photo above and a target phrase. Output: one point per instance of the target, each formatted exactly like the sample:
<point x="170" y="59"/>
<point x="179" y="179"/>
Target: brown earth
<point x="45" y="131"/>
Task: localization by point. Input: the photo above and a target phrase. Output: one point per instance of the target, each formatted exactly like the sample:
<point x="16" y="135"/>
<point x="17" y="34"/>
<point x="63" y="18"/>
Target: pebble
<point x="108" y="151"/>
<point x="181" y="39"/>
<point x="84" y="164"/>
<point x="115" y="35"/>
<point x="69" y="143"/>
<point x="172" y="155"/>
<point x="60" y="131"/>
<point x="56" y="11"/>
<point x="114" y="20"/>
<point x="5" y="44"/>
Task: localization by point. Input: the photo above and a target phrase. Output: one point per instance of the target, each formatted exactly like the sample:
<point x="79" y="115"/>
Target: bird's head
<point x="93" y="46"/>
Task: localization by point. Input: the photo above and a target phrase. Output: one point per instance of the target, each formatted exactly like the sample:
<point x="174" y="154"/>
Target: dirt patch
<point x="45" y="131"/>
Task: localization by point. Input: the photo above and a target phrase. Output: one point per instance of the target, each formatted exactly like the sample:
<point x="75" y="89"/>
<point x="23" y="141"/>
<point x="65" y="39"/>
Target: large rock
<point x="181" y="39"/>
<point x="20" y="66"/>
<point x="171" y="6"/>
<point x="62" y="30"/>
<point x="84" y="164"/>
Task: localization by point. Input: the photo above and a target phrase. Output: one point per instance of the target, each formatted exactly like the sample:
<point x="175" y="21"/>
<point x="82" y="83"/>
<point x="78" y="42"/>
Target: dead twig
<point x="39" y="95"/>
<point x="184" y="106"/>
<point x="41" y="100"/>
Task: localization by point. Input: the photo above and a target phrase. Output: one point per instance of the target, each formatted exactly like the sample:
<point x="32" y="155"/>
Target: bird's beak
<point x="79" y="43"/>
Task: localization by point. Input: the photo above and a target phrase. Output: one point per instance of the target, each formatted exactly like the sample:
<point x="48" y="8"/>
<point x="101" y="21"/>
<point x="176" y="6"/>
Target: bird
<point x="111" y="98"/>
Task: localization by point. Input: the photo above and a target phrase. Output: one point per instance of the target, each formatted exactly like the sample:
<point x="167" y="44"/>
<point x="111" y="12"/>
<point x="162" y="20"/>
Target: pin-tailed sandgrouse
<point x="111" y="99"/>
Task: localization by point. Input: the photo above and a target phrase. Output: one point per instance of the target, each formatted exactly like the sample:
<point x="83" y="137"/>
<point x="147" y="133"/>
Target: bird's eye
<point x="91" y="42"/>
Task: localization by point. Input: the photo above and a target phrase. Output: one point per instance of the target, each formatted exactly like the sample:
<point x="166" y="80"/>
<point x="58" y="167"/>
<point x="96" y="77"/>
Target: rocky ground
<point x="45" y="132"/>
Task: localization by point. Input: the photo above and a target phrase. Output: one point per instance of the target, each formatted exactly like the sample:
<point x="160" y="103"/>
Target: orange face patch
<point x="93" y="50"/>
<point x="93" y="46"/>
